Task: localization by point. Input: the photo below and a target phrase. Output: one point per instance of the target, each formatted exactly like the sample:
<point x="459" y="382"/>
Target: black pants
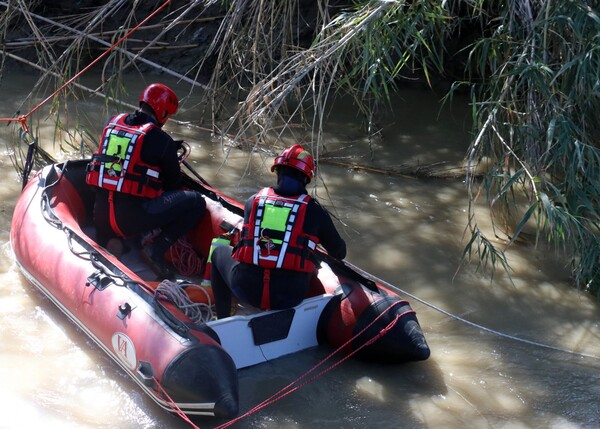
<point x="174" y="212"/>
<point x="287" y="288"/>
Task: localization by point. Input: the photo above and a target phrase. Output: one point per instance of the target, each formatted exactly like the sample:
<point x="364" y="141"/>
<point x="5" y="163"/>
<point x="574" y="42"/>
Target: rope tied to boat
<point x="299" y="383"/>
<point x="22" y="120"/>
<point x="468" y="322"/>
<point x="197" y="312"/>
<point x="172" y="404"/>
<point x="31" y="143"/>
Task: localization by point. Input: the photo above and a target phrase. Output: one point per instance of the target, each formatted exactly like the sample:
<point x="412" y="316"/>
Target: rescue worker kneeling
<point x="274" y="260"/>
<point x="137" y="178"/>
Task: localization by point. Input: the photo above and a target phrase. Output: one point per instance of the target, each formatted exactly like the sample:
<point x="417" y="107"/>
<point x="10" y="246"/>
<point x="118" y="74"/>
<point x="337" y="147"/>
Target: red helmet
<point x="296" y="157"/>
<point x="161" y="99"/>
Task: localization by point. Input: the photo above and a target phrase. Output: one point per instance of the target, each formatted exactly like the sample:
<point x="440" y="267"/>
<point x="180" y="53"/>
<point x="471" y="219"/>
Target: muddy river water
<point x="510" y="353"/>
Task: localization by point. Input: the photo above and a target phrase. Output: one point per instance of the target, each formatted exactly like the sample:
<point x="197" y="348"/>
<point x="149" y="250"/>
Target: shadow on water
<point x="413" y="240"/>
<point x="354" y="394"/>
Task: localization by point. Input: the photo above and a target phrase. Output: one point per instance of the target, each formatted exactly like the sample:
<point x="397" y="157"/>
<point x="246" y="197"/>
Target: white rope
<point x="198" y="312"/>
<point x="465" y="321"/>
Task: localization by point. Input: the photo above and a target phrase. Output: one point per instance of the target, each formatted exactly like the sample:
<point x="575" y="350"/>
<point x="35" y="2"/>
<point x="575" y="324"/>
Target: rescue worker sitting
<point x="137" y="175"/>
<point x="272" y="264"/>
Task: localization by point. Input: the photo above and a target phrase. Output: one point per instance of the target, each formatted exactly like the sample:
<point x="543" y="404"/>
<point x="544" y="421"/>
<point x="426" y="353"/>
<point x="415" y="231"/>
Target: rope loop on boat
<point x="198" y="312"/>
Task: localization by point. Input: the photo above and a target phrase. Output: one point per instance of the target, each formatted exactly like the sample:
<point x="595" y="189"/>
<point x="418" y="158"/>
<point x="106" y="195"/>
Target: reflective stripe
<point x="288" y="234"/>
<point x="153" y="173"/>
<point x="117" y="166"/>
<point x="274" y="236"/>
<point x="294" y="206"/>
<point x="111" y="182"/>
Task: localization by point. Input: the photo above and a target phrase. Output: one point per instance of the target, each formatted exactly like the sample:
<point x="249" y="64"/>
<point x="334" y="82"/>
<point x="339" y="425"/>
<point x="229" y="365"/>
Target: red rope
<point x="293" y="386"/>
<point x="23" y="119"/>
<point x="185" y="259"/>
<point x="173" y="405"/>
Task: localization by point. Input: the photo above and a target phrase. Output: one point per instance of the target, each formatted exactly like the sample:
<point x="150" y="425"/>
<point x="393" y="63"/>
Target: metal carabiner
<point x="28" y="138"/>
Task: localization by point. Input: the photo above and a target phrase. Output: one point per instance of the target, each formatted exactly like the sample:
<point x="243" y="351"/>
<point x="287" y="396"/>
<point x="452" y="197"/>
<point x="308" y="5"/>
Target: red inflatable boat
<point x="179" y="358"/>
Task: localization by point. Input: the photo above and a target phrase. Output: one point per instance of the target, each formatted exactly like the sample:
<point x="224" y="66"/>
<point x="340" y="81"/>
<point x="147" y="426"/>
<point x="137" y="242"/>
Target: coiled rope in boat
<point x="198" y="312"/>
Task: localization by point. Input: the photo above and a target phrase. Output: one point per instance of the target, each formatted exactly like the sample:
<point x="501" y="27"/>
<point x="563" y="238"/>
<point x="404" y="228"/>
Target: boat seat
<point x="251" y="339"/>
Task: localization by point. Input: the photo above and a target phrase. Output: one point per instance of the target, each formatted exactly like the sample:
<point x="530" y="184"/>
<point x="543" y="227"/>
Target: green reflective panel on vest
<point x="216" y="242"/>
<point x="275" y="218"/>
<point x="117" y="146"/>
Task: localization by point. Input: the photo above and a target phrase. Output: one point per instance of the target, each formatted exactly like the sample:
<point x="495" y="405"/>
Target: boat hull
<point x="90" y="291"/>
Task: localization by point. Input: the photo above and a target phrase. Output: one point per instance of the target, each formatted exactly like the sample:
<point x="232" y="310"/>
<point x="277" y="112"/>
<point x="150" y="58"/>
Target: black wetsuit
<point x="175" y="211"/>
<point x="287" y="288"/>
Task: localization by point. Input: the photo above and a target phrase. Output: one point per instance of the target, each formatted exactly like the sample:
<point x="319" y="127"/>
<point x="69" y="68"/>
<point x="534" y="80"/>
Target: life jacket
<point x="117" y="166"/>
<point x="274" y="237"/>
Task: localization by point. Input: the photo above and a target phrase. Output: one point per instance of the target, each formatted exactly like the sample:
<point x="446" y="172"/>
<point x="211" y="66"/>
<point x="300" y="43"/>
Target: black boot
<point x="154" y="255"/>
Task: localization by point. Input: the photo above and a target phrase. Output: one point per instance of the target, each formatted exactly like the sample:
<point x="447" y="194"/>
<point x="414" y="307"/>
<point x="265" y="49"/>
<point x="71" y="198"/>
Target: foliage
<point x="536" y="104"/>
<point x="362" y="51"/>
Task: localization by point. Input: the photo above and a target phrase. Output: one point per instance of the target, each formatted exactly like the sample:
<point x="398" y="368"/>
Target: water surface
<point x="408" y="232"/>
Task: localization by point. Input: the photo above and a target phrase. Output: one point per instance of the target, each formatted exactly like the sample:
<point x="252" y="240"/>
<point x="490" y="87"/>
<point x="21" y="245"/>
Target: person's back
<point x="137" y="173"/>
<point x="272" y="265"/>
